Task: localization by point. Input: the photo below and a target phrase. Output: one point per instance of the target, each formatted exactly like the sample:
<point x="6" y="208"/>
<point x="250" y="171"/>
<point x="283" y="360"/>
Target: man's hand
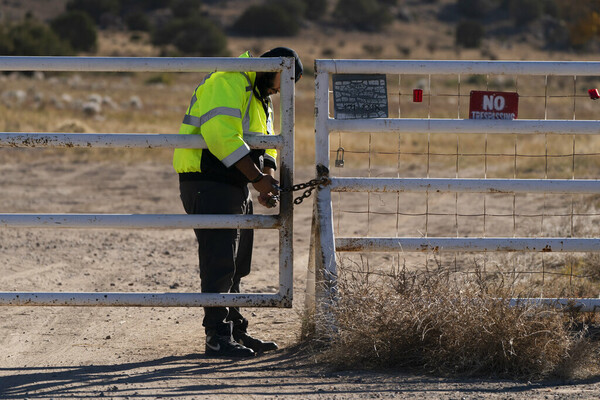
<point x="267" y="184"/>
<point x="268" y="201"/>
<point x="271" y="198"/>
<point x="267" y="189"/>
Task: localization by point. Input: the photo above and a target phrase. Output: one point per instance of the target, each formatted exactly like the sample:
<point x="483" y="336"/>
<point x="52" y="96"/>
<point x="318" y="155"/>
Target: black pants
<point x="224" y="255"/>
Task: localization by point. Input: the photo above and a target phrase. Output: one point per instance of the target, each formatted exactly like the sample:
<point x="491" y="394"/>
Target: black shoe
<point x="257" y="345"/>
<point x="220" y="343"/>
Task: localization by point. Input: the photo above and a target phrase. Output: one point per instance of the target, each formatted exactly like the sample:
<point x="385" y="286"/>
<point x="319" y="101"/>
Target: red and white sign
<point x="493" y="105"/>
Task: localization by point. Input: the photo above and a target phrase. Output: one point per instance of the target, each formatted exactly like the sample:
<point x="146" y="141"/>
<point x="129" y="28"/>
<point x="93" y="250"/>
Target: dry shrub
<point x="438" y="324"/>
<point x="72" y="126"/>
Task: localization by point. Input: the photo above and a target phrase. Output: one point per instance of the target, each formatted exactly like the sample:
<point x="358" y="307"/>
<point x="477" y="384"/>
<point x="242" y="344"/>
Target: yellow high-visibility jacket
<point x="225" y="110"/>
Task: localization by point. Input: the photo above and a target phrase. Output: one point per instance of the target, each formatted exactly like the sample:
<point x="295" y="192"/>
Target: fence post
<point x="286" y="176"/>
<point x="309" y="300"/>
<point x="324" y="252"/>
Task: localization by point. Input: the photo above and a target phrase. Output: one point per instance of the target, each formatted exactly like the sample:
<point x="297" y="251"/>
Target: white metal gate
<point x="326" y="243"/>
<point x="283" y="142"/>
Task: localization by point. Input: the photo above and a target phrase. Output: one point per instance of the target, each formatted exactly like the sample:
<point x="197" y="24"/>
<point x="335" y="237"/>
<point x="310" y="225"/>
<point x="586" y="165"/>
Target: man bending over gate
<point x="226" y="107"/>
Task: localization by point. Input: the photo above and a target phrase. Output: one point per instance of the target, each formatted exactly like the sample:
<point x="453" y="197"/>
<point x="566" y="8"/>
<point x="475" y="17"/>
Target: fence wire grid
<point x="487" y="156"/>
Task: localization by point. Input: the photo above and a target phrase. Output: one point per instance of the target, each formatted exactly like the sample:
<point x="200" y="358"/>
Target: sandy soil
<point x="135" y="353"/>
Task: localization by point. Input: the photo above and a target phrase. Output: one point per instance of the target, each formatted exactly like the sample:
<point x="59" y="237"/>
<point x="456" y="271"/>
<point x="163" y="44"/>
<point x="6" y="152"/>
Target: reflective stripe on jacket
<point x="224" y="110"/>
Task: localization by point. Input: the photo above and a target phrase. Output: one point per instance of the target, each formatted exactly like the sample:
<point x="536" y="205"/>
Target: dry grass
<point x="437" y="324"/>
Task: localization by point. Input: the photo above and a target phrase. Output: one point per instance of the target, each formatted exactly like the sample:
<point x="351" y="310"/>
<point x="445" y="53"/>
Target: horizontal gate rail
<point x="139" y="299"/>
<point x="465" y="126"/>
<point x="140" y="64"/>
<point x="465" y="185"/>
<point x="124" y="140"/>
<point x="454" y="67"/>
<point x="447" y="244"/>
<point x="140" y="221"/>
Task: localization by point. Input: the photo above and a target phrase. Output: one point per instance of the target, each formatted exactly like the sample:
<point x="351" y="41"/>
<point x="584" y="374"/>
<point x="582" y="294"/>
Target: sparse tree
<point x="476" y="8"/>
<point x="364" y="15"/>
<point x="77" y="28"/>
<point x="185" y="8"/>
<point x="315" y="9"/>
<point x="198" y="36"/>
<point x="34" y="38"/>
<point x="266" y="20"/>
<point x="526" y="11"/>
<point x="469" y="34"/>
<point x="7" y="46"/>
<point x="95" y="8"/>
<point x="138" y="21"/>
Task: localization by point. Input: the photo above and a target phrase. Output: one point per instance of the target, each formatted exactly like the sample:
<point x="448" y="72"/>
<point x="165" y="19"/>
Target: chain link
<point x="309" y="186"/>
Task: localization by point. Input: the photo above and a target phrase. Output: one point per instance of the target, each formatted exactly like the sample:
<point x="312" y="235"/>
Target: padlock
<point x="273" y="200"/>
<point x="339" y="158"/>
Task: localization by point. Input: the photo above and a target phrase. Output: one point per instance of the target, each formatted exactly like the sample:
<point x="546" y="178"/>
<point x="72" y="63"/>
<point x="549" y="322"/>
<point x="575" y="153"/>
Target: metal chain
<point x="310" y="185"/>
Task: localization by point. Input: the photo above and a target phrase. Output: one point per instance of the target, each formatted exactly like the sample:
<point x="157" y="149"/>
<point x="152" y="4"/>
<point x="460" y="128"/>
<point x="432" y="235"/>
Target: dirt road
<point x="136" y="353"/>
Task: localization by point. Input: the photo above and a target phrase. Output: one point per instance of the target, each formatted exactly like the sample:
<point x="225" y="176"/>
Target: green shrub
<point x="162" y="78"/>
<point x="32" y="38"/>
<point x="478" y="80"/>
<point x="469" y="34"/>
<point x="526" y="11"/>
<point x="550" y="7"/>
<point x="185" y="8"/>
<point x="364" y="15"/>
<point x="78" y="29"/>
<point x="7" y="46"/>
<point x="315" y="9"/>
<point x="581" y="21"/>
<point x="295" y="8"/>
<point x="138" y="21"/>
<point x="95" y="8"/>
<point x="193" y="36"/>
<point x="476" y="8"/>
<point x="266" y="20"/>
<point x="129" y="6"/>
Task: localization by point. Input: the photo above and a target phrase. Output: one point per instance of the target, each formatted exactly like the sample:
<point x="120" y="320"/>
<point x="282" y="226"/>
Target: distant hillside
<point x="497" y="29"/>
<point x="44" y="10"/>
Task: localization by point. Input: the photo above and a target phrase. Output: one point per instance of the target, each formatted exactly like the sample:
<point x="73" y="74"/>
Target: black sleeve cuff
<point x="270" y="162"/>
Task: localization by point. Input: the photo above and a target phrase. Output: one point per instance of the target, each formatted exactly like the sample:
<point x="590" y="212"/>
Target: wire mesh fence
<point x="483" y="156"/>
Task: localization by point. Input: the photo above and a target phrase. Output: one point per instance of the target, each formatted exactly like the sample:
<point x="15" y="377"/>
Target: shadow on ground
<point x="287" y="373"/>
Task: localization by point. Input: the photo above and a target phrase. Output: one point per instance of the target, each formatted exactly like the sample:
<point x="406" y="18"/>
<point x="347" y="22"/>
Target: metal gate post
<point x="324" y="257"/>
<point x="309" y="300"/>
<point x="286" y="176"/>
